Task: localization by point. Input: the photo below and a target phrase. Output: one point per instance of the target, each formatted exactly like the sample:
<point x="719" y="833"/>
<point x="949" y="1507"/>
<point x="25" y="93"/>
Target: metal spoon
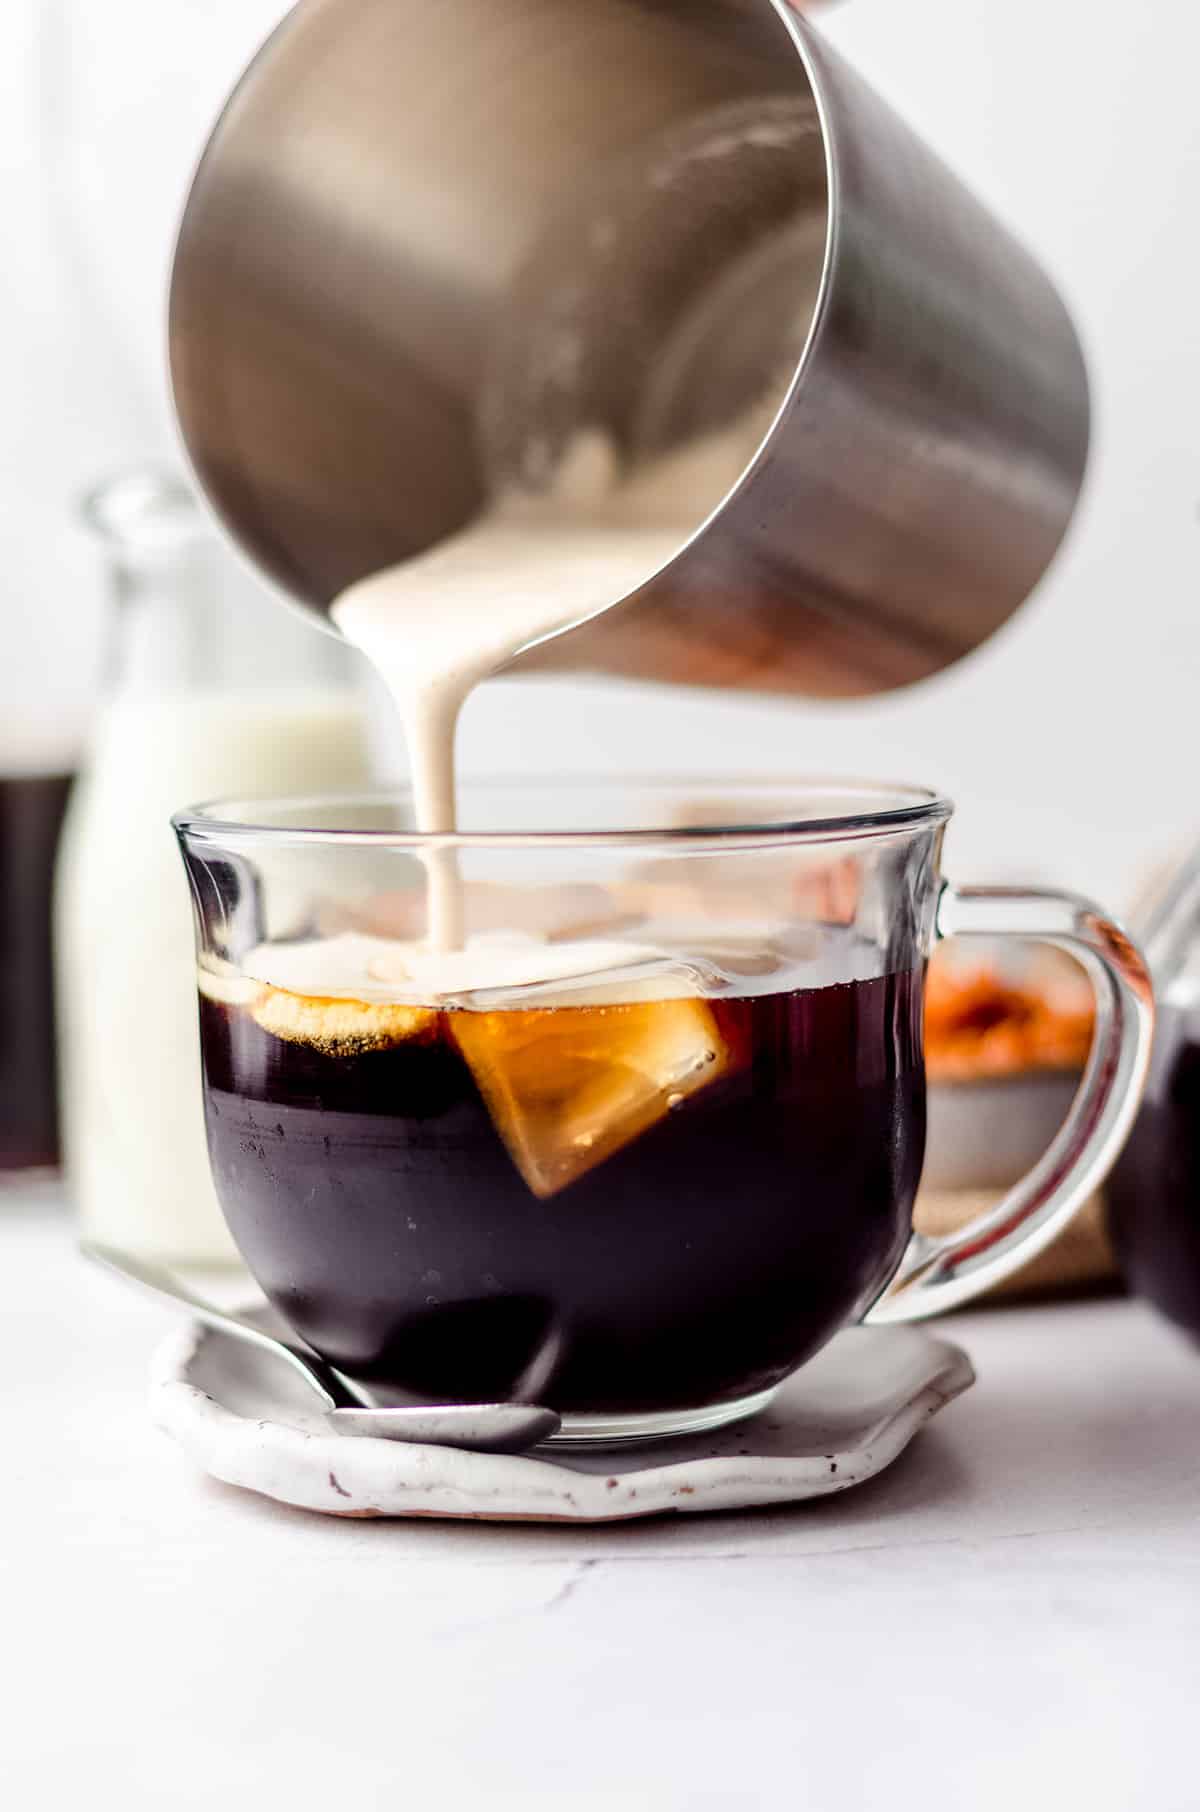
<point x="484" y="1427"/>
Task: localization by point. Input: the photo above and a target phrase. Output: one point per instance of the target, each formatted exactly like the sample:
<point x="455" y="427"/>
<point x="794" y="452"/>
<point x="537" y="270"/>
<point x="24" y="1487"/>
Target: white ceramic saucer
<point x="243" y="1417"/>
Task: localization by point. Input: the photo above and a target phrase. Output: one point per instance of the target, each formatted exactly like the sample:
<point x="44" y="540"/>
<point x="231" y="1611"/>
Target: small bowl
<point x="984" y="1136"/>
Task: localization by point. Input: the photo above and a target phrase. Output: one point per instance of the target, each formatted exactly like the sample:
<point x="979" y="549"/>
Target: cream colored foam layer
<point x="512" y="969"/>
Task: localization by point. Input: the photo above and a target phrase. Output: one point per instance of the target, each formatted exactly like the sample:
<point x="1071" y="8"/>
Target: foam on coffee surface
<point x="508" y="970"/>
<point x="342" y="1028"/>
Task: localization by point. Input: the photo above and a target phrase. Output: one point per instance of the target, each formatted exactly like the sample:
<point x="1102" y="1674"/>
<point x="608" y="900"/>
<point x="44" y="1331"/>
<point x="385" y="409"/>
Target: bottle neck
<point x="161" y="635"/>
<point x="187" y="616"/>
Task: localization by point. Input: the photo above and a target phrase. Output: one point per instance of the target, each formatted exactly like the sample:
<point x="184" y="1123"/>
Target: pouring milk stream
<point x="535" y="565"/>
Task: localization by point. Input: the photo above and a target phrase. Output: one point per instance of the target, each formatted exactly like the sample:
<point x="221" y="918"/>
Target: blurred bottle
<point x="1154" y="1190"/>
<point x="31" y="811"/>
<point x="211" y="691"/>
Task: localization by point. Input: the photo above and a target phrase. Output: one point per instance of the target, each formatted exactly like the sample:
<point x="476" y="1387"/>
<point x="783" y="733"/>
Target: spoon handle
<point x="329" y="1385"/>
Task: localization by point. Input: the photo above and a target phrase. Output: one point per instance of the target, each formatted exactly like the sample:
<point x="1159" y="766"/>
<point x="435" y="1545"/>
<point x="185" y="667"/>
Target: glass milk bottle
<point x="210" y="690"/>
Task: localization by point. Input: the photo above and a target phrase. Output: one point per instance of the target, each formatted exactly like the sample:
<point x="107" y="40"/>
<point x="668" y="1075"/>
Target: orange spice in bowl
<point x="981" y="1025"/>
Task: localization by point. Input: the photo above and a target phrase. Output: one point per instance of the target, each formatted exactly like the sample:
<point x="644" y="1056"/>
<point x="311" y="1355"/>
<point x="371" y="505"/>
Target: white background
<point x="1068" y="742"/>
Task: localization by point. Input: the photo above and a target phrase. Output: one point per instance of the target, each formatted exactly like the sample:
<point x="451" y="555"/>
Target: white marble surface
<point x="1008" y="1618"/>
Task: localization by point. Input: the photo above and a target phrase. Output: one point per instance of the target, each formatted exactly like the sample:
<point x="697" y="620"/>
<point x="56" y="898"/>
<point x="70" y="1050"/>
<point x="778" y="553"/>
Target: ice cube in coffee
<point x="568" y="1088"/>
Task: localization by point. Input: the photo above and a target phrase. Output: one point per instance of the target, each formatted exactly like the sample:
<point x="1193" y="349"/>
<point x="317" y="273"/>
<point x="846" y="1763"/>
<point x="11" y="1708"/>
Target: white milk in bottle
<point x="215" y="692"/>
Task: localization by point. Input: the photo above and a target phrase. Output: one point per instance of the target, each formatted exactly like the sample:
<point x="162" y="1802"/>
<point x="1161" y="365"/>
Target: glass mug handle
<point x="937" y="1274"/>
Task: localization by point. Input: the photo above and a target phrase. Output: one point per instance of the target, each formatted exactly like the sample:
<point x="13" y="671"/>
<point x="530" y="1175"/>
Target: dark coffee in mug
<point x="614" y="1207"/>
<point x="1154" y="1191"/>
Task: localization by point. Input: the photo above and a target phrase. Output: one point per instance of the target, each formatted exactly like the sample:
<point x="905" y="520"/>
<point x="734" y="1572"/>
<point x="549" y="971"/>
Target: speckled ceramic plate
<point x="243" y="1417"/>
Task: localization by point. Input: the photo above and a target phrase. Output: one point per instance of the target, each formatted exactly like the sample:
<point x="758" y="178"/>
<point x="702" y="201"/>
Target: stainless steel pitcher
<point x="429" y="244"/>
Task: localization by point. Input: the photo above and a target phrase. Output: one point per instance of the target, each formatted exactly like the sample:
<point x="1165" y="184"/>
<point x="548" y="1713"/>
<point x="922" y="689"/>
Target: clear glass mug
<point x="652" y="1137"/>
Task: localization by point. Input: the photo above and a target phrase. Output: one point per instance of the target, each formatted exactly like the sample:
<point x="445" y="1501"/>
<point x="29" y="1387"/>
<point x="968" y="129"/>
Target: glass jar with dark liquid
<point x="31" y="813"/>
<point x="1154" y="1192"/>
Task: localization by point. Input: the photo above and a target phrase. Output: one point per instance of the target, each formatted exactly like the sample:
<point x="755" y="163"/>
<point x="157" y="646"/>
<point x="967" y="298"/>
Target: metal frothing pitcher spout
<point x="430" y="246"/>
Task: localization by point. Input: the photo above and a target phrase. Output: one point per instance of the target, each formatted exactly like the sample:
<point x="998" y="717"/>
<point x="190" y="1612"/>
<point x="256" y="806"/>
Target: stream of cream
<point x="436" y="626"/>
